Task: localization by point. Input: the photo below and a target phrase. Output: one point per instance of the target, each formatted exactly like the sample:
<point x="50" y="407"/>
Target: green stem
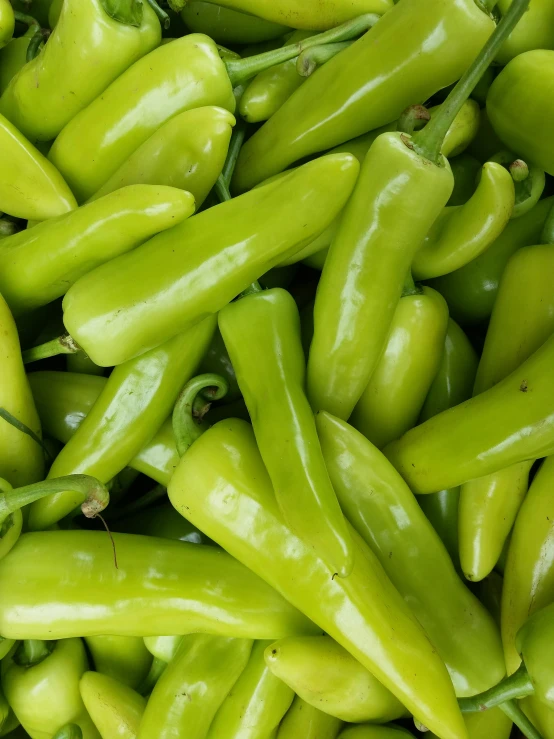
<point x="156" y="669"/>
<point x="244" y="69"/>
<point x="28" y="20"/>
<point x="32" y="652"/>
<point x="185" y="427"/>
<point x="63" y="344"/>
<point x="410" y="288"/>
<point x="221" y="189"/>
<point x="36" y="43"/>
<point x="309" y="60"/>
<point x="487" y="6"/>
<point x="515" y="686"/>
<point x="163" y="17"/>
<point x="237" y="139"/>
<point x="20" y="426"/>
<point x="428" y="143"/>
<point x="408" y="121"/>
<point x="95" y="494"/>
<point x="252" y="289"/>
<point x="514" y="712"/>
<point x="152" y="496"/>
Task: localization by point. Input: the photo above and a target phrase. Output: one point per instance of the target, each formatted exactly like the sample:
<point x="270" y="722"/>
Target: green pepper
<point x="509" y="423"/>
<point x="41" y="682"/>
<point x="134" y="403"/>
<point x="193" y="686"/>
<point x="541" y="716"/>
<point x="386" y="514"/>
<point x="5" y="646"/>
<point x="167" y="289"/>
<point x="327" y="677"/>
<point x="163" y="648"/>
<point x="369" y="84"/>
<point x="256" y="704"/>
<point x="520" y="107"/>
<point x="471" y="291"/>
<point x="14" y="55"/>
<point x="228" y="26"/>
<point x="7" y="22"/>
<point x="10" y="531"/>
<point x="534" y="31"/>
<point x="303" y="720"/>
<point x="392" y="401"/>
<point x="529" y="181"/>
<point x="123" y="658"/>
<point x="162" y="521"/>
<point x="262" y="334"/>
<point x="375" y="732"/>
<point x="115" y="709"/>
<point x="491" y="724"/>
<point x="518" y="327"/>
<point x="21" y="456"/>
<point x="187" y="152"/>
<point x="92" y="44"/>
<point x="221" y="485"/>
<point x="41" y="263"/>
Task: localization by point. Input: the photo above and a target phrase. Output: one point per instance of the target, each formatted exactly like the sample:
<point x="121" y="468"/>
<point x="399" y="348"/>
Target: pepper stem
<point x="32" y="652"/>
<point x="31" y="23"/>
<point x="487" y="6"/>
<point x="410" y="288"/>
<point x="308" y="61"/>
<point x="428" y="143"/>
<point x="69" y="731"/>
<point x="186" y="427"/>
<point x="252" y="289"/>
<point x="165" y="20"/>
<point x="63" y="344"/>
<point x="514" y="712"/>
<point x="221" y="187"/>
<point x="243" y="69"/>
<point x="156" y="670"/>
<point x="408" y="121"/>
<point x="95" y="494"/>
<point x="36" y="43"/>
<point x="515" y="686"/>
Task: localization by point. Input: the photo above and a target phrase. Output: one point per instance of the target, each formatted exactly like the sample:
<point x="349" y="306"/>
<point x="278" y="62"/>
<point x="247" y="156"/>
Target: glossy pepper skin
<point x="308" y="722"/>
<point x="160" y="587"/>
<point x="21" y="457"/>
<point x="337" y="104"/>
<point x="73" y="74"/>
<point x="122" y="658"/>
<point x="168" y="287"/>
<point x="233" y="502"/>
<point x="327" y="677"/>
<point x="262" y="334"/>
<point x="487" y="724"/>
<point x="365" y="269"/>
<point x="519" y="105"/>
<point x="534" y="31"/>
<point x="375" y="499"/>
<point x="45" y="696"/>
<point x="507" y="424"/>
<point x="489" y="505"/>
<point x="39" y="264"/>
<point x="540" y="715"/>
<point x="187" y="152"/>
<point x="227" y="26"/>
<point x="535" y="643"/>
<point x="392" y="400"/>
<point x="193" y="686"/>
<point x="134" y="403"/>
<point x="7" y="22"/>
<point x="41" y="191"/>
<point x="471" y="291"/>
<point x="115" y="709"/>
<point x="183" y="74"/>
<point x="13" y="56"/>
<point x="256" y="703"/>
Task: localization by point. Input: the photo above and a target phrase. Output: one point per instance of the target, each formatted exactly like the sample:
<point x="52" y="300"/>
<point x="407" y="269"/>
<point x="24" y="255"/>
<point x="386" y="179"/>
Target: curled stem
<point x="36" y="43"/>
<point x="63" y="344"/>
<point x="514" y="712"/>
<point x="185" y="426"/>
<point x="308" y="61"/>
<point x="28" y="20"/>
<point x="515" y="686"/>
<point x="412" y="117"/>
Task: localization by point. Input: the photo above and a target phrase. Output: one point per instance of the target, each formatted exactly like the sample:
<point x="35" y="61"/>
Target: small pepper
<point x="123" y="658"/>
<point x="303" y="720"/>
<point x="92" y="44"/>
<point x="327" y="677"/>
<point x="193" y="686"/>
<point x="534" y="31"/>
<point x="115" y="709"/>
<point x="227" y="26"/>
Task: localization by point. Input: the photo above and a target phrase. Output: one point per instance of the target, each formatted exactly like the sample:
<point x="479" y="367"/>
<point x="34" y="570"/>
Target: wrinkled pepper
<point x="262" y="334"/>
<point x="228" y="26"/>
<point x="115" y="709"/>
<point x="92" y="44"/>
<point x="327" y="677"/>
<point x="308" y="722"/>
<point x="123" y="658"/>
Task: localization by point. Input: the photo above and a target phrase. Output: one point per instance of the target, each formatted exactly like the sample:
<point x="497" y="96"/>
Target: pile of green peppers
<point x="277" y="369"/>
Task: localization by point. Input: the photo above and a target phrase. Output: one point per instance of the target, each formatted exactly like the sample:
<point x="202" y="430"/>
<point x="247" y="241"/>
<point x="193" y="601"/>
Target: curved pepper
<point x="534" y="31"/>
<point x="41" y="192"/>
<point x="518" y="327"/>
<point x="115" y="709"/>
<point x="159" y="587"/>
<point x="262" y="334"/>
<point x="375" y="499"/>
<point x="44" y="694"/>
<point x="228" y="247"/>
<point x="193" y="686"/>
<point x="327" y="677"/>
<point x="134" y="403"/>
<point x="462" y="232"/>
<point x="520" y="107"/>
<point x="471" y="291"/>
<point x="187" y="152"/>
<point x="7" y="22"/>
<point x="227" y="26"/>
<point x="21" y="456"/>
<point x="41" y="263"/>
<point x="123" y="658"/>
<point x="368" y="84"/>
<point x="109" y="41"/>
<point x="308" y="722"/>
<point x="256" y="704"/>
<point x="509" y="423"/>
<point x="392" y="401"/>
<point x="375" y="732"/>
<point x="222" y="487"/>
